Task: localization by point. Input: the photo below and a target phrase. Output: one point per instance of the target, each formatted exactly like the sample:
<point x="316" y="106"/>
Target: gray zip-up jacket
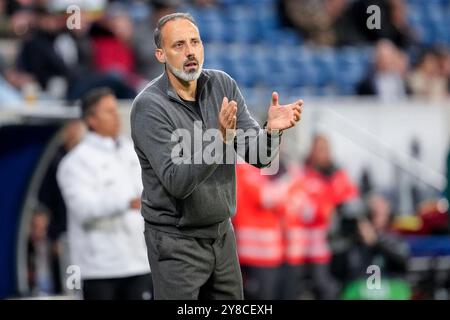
<point x="181" y="197"/>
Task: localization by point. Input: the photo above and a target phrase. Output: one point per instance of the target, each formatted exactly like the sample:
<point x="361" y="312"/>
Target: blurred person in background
<point x="73" y="46"/>
<point x="375" y="244"/>
<point x="151" y="68"/>
<point x="9" y="96"/>
<point x="315" y="20"/>
<point x="427" y="79"/>
<point x="62" y="60"/>
<point x="433" y="216"/>
<point x="40" y="280"/>
<point x="19" y="17"/>
<point x="319" y="189"/>
<point x="387" y="77"/>
<point x="78" y="48"/>
<point x="101" y="187"/>
<point x="202" y="3"/>
<point x="393" y="20"/>
<point x="50" y="196"/>
<point x="23" y="83"/>
<point x="3" y="19"/>
<point x="112" y="45"/>
<point x="444" y="64"/>
<point x="13" y="84"/>
<point x="37" y="55"/>
<point x="446" y="191"/>
<point x="258" y="229"/>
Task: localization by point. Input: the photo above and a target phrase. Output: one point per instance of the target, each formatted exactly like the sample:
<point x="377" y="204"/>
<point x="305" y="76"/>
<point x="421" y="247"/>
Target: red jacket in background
<point x="111" y="54"/>
<point x="312" y="199"/>
<point x="257" y="227"/>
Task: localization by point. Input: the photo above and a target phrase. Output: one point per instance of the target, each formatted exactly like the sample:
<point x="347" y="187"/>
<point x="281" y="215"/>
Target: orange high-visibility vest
<point x="258" y="228"/>
<point x="313" y="198"/>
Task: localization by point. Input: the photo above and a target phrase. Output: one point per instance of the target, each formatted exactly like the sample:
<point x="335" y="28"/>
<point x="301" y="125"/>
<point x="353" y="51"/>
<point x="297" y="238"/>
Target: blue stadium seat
<point x="246" y="39"/>
<point x="267" y="18"/>
<point x="228" y="2"/>
<point x="302" y="92"/>
<point x="277" y="37"/>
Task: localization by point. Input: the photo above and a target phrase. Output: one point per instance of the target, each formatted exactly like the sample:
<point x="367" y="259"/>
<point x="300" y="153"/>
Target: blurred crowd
<point x="344" y="22"/>
<point x="401" y="65"/>
<point x="42" y="58"/>
<point x="286" y="226"/>
<point x="307" y="232"/>
<point x="112" y="46"/>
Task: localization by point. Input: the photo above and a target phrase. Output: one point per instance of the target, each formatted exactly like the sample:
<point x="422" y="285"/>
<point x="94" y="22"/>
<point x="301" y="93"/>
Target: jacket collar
<point x="105" y="143"/>
<point x="165" y="85"/>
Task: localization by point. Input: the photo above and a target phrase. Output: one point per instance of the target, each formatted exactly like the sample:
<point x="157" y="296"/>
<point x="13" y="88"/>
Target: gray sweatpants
<point x="187" y="268"/>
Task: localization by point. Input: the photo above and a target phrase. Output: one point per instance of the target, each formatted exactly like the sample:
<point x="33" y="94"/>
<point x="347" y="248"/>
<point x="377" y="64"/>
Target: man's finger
<point x="229" y="110"/>
<point x="224" y="102"/>
<point x="224" y="106"/>
<point x="226" y="110"/>
<point x="231" y="116"/>
<point x="274" y="98"/>
<point x="298" y="103"/>
<point x="232" y="103"/>
<point x="232" y="108"/>
<point x="232" y="123"/>
<point x="297" y="107"/>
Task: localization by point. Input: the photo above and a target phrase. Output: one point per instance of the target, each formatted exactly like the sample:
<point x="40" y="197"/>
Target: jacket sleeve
<point x="394" y="249"/>
<point x="85" y="199"/>
<point x="178" y="166"/>
<point x="252" y="143"/>
<point x="343" y="189"/>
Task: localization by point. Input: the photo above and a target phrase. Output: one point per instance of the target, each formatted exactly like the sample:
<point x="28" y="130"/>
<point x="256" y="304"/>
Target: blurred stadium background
<point x="380" y="97"/>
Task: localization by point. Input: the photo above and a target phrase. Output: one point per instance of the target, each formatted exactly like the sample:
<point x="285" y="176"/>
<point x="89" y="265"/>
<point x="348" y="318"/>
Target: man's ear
<point x="160" y="56"/>
<point x="90" y="121"/>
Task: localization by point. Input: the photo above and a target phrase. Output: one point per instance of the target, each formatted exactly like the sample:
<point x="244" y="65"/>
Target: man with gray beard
<point x="187" y="205"/>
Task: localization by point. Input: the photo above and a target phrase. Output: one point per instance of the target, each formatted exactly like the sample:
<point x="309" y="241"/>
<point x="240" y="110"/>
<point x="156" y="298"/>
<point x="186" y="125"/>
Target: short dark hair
<point x="167" y="18"/>
<point x="90" y="100"/>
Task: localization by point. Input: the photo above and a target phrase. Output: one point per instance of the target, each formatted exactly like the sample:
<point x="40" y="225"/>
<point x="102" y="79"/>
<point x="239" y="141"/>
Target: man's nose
<point x="189" y="51"/>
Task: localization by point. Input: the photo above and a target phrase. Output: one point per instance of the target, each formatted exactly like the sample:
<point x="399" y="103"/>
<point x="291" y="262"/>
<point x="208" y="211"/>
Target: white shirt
<point x="390" y="86"/>
<point x="98" y="178"/>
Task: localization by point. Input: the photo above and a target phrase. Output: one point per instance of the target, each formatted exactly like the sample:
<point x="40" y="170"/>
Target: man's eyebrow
<point x="178" y="41"/>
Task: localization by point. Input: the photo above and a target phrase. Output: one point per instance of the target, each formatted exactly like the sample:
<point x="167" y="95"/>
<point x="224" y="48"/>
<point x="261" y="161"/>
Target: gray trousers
<point x="187" y="268"/>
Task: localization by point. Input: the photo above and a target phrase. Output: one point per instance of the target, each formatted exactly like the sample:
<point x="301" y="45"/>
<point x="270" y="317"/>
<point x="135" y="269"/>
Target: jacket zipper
<point x="192" y="111"/>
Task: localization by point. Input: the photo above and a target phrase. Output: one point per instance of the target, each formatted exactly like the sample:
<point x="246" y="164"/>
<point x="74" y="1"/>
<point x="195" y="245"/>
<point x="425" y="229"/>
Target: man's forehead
<point x="108" y="101"/>
<point x="179" y="29"/>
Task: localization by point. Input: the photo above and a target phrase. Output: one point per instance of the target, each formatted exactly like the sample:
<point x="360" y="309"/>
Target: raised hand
<point x="281" y="117"/>
<point x="227" y="119"/>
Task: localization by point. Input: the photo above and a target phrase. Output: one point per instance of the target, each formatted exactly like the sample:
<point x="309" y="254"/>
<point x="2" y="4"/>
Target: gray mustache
<point x="191" y="60"/>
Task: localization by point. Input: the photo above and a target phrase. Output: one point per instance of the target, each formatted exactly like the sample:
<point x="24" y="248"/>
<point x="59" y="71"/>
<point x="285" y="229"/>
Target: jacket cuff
<point x="274" y="133"/>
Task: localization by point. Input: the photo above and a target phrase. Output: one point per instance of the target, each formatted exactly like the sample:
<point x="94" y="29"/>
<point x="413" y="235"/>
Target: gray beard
<point x="185" y="76"/>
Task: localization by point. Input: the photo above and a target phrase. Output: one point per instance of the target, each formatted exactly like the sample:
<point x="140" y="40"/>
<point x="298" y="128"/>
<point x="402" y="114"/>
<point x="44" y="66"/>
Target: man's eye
<point x="178" y="45"/>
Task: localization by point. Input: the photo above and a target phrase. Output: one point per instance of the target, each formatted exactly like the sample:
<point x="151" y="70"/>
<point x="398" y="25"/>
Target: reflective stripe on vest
<point x="259" y="246"/>
<point x="303" y="243"/>
<point x="257" y="235"/>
